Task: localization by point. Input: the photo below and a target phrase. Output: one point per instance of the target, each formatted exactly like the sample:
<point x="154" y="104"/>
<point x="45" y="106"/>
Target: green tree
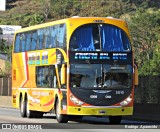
<point x="145" y="30"/>
<point x="46" y="8"/>
<point x="3" y="46"/>
<point x="152" y="67"/>
<point x="7" y="70"/>
<point x="33" y="19"/>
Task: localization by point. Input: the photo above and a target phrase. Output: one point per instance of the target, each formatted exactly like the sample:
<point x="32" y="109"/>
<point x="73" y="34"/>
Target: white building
<point x="2" y="5"/>
<point x="8" y="32"/>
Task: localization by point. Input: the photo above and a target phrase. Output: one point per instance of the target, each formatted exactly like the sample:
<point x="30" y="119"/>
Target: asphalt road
<point x="12" y="118"/>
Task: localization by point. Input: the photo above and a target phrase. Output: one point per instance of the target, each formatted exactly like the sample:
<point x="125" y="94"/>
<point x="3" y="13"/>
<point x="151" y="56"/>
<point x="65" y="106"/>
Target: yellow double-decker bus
<point x="74" y="67"/>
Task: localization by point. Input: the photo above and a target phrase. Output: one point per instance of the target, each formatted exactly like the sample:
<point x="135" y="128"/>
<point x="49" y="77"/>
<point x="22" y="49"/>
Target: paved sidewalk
<point x="6" y="101"/>
<point x="144" y="117"/>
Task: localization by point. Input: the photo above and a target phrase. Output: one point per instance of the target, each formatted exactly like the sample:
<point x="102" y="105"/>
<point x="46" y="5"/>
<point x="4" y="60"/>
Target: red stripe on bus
<point x="49" y="103"/>
<point x="26" y="66"/>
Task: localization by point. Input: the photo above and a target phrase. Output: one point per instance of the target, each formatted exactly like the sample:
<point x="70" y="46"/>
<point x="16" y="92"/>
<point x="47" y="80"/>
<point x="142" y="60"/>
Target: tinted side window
<point x="44" y="38"/>
<point x="23" y="43"/>
<point x="17" y="43"/>
<point x="61" y="35"/>
<point x="34" y="41"/>
<point x="46" y="76"/>
<point x="28" y="41"/>
<point x="53" y="36"/>
<point x="40" y="38"/>
<point x="48" y="38"/>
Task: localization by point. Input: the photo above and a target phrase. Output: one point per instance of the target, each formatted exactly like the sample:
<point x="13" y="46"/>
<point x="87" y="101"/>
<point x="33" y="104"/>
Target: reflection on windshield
<point x="99" y="76"/>
<point x="99" y="37"/>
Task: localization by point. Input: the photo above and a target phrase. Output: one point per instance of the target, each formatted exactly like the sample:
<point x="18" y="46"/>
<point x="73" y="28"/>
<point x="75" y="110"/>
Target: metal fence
<point x="5" y="87"/>
<point x="148" y="90"/>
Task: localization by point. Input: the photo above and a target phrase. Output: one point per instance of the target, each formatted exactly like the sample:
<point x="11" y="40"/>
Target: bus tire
<point x="115" y="119"/>
<point x="30" y="114"/>
<point x="60" y="117"/>
<point x="23" y="108"/>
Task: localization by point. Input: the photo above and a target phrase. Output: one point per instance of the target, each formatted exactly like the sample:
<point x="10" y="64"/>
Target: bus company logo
<point x="102" y="91"/>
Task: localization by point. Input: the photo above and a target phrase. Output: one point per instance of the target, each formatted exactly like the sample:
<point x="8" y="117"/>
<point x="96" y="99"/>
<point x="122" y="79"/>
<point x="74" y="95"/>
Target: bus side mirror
<point x="135" y="75"/>
<point x="63" y="74"/>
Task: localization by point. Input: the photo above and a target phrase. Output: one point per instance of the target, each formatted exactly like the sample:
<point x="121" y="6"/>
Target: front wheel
<point x="115" y="119"/>
<point x="60" y="117"/>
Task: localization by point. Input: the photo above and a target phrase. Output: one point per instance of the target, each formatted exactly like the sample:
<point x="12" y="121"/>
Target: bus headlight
<point x="75" y="100"/>
<point x="127" y="100"/>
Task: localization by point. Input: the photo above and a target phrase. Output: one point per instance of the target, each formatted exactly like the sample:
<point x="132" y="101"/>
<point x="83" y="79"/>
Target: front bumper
<point x="100" y="111"/>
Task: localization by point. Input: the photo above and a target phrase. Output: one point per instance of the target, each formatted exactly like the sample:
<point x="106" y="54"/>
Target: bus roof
<point x="109" y="20"/>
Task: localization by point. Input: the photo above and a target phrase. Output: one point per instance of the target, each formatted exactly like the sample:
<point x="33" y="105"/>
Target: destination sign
<point x="100" y="56"/>
<point x="91" y="56"/>
<point x="119" y="56"/>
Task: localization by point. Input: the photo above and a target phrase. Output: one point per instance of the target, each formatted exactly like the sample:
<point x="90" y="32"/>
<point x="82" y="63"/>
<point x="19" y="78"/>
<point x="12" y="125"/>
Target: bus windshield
<point x="100" y="76"/>
<point x="99" y="37"/>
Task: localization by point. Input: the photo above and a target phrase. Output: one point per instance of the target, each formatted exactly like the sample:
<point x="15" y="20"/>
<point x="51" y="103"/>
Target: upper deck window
<point x="99" y="37"/>
<point x="43" y="38"/>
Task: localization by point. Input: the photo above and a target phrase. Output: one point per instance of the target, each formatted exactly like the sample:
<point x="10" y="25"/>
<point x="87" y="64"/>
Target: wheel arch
<point x="56" y="98"/>
<point x="20" y="98"/>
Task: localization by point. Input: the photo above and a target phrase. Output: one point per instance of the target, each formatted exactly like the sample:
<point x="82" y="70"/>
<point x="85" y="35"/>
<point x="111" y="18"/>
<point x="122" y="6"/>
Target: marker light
<point x="127" y="100"/>
<point x="98" y="21"/>
<point x="75" y="100"/>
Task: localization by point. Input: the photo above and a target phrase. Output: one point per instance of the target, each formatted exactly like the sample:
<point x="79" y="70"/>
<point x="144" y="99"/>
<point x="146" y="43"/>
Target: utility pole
<point x="1" y="37"/>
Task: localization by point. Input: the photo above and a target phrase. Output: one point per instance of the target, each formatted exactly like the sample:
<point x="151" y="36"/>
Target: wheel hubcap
<point x="27" y="109"/>
<point x="58" y="111"/>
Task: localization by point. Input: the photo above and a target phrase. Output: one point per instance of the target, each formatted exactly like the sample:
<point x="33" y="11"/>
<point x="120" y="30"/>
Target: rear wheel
<point x="23" y="108"/>
<point x="30" y="114"/>
<point x="115" y="119"/>
<point x="60" y="117"/>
